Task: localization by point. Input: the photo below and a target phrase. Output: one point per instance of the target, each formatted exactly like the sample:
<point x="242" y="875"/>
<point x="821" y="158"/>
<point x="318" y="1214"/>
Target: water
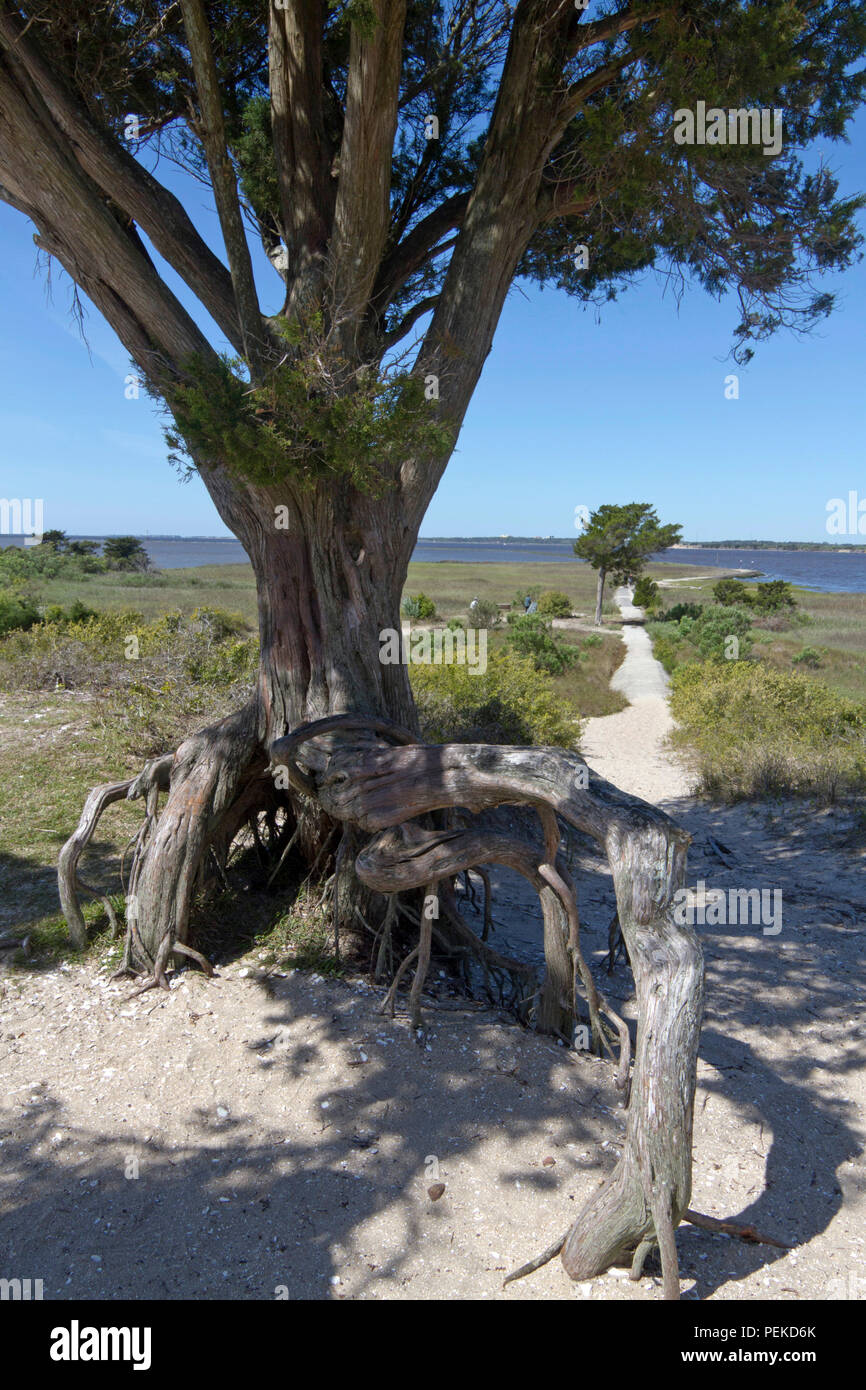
<point x="831" y="571"/>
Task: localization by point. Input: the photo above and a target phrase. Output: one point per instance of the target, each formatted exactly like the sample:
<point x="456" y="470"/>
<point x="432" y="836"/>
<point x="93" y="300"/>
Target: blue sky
<point x="569" y="412"/>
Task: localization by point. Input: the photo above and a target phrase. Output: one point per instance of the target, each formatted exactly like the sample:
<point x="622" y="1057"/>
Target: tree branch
<point x="301" y="147"/>
<point x="362" y="211"/>
<point x="224" y="181"/>
<point x="411" y="253"/>
<point x="159" y="214"/>
<point x="78" y="226"/>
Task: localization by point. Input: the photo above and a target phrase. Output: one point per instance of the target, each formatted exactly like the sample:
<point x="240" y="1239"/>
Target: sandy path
<point x="628" y="748"/>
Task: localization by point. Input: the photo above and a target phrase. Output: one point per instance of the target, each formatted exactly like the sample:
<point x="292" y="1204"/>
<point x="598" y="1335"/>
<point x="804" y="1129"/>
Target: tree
<point x="55" y="540"/>
<point x="616" y="541"/>
<point x="400" y="164"/>
<point x="125" y="553"/>
<point x="83" y="549"/>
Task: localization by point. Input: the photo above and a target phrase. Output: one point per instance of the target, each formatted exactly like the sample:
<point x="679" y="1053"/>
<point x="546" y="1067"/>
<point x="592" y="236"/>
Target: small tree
<point x="125" y="553"/>
<point x="646" y="593"/>
<point x="56" y="540"/>
<point x="617" y="541"/>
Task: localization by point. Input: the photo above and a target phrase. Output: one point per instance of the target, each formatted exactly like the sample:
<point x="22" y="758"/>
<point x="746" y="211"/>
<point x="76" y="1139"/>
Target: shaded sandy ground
<point x="270" y="1131"/>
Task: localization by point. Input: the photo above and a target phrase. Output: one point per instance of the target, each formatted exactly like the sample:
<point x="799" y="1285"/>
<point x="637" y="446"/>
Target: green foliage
<point x="619" y="539"/>
<point x="483" y="612"/>
<point x="710" y="633"/>
<point x="29" y="563"/>
<point x="553" y="603"/>
<point x="530" y="636"/>
<point x="18" y="612"/>
<point x="418" y="607"/>
<point x="753" y="731"/>
<point x="646" y="593"/>
<point x="77" y="612"/>
<point x="774" y="596"/>
<point x="682" y="610"/>
<point x="809" y="656"/>
<point x="55" y="539"/>
<point x="704" y="637"/>
<point x="313" y="419"/>
<point x="125" y="553"/>
<point x="510" y="702"/>
<point x="731" y="592"/>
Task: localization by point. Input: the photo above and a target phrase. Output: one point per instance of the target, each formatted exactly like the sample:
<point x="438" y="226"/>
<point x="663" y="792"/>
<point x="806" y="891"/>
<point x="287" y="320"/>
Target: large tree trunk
<point x="329" y="570"/>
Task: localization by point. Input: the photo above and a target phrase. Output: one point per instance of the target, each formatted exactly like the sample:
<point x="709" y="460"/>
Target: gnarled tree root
<point x="380" y="789"/>
<point x="154" y="775"/>
<point x="218" y="779"/>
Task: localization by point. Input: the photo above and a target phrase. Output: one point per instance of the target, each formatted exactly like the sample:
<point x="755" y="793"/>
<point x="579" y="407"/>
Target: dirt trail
<point x="628" y="748"/>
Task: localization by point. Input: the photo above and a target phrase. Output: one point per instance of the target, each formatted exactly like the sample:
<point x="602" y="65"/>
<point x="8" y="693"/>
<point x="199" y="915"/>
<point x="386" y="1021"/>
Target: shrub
<point x="418" y="607"/>
<point x="18" y="611"/>
<point x="511" y="702"/>
<point x="681" y="610"/>
<point x="531" y="636"/>
<point x="646" y="593"/>
<point x="554" y="604"/>
<point x="730" y="592"/>
<point x="809" y="656"/>
<point x="755" y="732"/>
<point x="174" y="672"/>
<point x="484" y="614"/>
<point x="77" y="612"/>
<point x="711" y="631"/>
<point x="773" y="596"/>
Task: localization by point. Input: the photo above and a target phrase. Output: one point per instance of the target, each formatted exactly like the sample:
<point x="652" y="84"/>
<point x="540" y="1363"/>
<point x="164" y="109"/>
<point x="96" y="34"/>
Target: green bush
<point x="711" y="631"/>
<point x="681" y="610"/>
<point x="731" y="592"/>
<point x="753" y="731"/>
<point x="418" y="607"/>
<point x="776" y="594"/>
<point x="554" y="604"/>
<point x="18" y="612"/>
<point x="531" y="636"/>
<point x="484" y="614"/>
<point x="511" y="702"/>
<point x="809" y="656"/>
<point x="646" y="593"/>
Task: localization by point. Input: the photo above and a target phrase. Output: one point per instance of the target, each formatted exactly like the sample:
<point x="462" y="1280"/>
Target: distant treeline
<point x="768" y="545"/>
<point x="684" y="545"/>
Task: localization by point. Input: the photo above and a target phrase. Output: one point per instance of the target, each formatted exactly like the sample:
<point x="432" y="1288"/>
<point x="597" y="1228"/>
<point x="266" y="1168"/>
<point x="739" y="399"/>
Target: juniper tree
<point x="617" y="541"/>
<point x="401" y="163"/>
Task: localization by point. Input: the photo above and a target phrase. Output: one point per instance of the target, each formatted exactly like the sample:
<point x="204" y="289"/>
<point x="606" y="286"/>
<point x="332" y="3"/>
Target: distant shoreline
<point x="504" y="540"/>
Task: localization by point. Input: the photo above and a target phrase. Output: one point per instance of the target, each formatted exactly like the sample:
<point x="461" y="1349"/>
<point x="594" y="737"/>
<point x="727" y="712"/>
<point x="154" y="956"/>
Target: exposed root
<point x="100" y="798"/>
<point x="532" y="1265"/>
<point x="732" y="1228"/>
<point x="390" y="1000"/>
<point x="181" y="948"/>
<point x="157" y="980"/>
<point x="423" y="958"/>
